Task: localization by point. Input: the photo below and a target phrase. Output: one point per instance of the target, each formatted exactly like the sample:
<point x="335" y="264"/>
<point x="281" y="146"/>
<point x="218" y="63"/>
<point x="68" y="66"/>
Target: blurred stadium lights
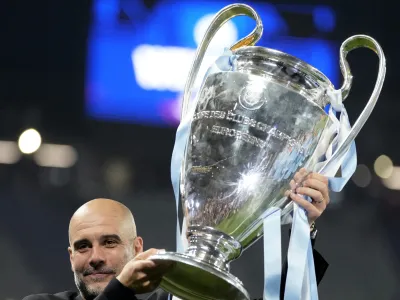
<point x="44" y="155"/>
<point x="118" y="175"/>
<point x="9" y="152"/>
<point x="393" y="181"/>
<point x="383" y="166"/>
<point x="387" y="172"/>
<point x="172" y="77"/>
<point x="29" y="141"/>
<point x="56" y="156"/>
<point x="362" y="176"/>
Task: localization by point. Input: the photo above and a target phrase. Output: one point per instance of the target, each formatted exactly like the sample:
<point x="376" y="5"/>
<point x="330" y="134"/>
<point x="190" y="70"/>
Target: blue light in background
<point x="105" y="10"/>
<point x="113" y="92"/>
<point x="324" y="18"/>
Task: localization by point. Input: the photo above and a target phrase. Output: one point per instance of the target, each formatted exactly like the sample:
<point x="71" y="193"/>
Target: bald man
<point x="107" y="256"/>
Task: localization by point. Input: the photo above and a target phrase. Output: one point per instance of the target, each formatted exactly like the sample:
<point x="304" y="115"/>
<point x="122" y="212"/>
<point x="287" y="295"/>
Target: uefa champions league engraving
<point x="254" y="125"/>
<point x="248" y="156"/>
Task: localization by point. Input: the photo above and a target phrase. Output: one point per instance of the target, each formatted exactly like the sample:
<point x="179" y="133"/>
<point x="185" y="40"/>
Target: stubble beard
<point x="91" y="292"/>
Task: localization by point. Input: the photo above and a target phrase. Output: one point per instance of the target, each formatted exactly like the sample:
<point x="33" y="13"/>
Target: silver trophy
<point x="252" y="129"/>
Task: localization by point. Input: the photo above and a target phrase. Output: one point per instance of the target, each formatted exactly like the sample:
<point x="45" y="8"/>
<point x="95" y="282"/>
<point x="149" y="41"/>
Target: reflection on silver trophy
<point x="253" y="127"/>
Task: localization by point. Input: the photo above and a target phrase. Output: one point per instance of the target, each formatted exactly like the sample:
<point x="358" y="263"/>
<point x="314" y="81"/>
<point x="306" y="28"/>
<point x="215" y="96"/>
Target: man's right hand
<point x="141" y="274"/>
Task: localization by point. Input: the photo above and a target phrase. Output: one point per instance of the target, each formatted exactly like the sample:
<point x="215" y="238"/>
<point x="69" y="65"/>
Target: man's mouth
<point x="98" y="273"/>
<point x="100" y="276"/>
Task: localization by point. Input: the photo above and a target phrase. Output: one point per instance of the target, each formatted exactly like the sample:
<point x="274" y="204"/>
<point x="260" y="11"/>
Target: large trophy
<point x="252" y="127"/>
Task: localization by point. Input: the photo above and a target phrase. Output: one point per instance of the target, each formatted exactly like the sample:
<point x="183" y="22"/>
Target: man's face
<point x="99" y="250"/>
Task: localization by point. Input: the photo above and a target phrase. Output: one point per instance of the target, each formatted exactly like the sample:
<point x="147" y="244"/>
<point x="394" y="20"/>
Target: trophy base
<point x="193" y="279"/>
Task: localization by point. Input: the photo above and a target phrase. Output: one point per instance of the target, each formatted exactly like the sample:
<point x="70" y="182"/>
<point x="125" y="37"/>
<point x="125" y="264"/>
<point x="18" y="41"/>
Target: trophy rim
<point x="298" y="63"/>
<point x="193" y="262"/>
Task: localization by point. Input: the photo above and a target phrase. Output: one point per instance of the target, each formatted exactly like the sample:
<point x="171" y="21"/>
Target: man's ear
<point x="70" y="257"/>
<point x="138" y="245"/>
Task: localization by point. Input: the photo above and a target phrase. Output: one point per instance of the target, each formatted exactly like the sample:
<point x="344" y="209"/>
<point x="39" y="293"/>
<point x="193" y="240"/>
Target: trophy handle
<point x="348" y="45"/>
<point x="354" y="42"/>
<point x="220" y="19"/>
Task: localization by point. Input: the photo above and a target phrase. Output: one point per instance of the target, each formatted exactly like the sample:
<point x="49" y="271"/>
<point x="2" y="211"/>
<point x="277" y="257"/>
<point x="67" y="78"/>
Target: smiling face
<point x="102" y="236"/>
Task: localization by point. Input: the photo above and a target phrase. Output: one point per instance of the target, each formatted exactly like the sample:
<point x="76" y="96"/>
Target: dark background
<point x="42" y="59"/>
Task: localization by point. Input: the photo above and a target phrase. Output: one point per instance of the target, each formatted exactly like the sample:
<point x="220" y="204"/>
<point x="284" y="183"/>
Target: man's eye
<point x="82" y="247"/>
<point x="110" y="243"/>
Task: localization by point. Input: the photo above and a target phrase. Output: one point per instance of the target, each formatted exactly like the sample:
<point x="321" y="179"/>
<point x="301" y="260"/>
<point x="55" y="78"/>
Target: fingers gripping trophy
<point x="258" y="118"/>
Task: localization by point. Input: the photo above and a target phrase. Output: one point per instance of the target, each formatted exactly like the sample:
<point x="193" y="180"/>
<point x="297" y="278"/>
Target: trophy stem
<point x="202" y="272"/>
<point x="212" y="247"/>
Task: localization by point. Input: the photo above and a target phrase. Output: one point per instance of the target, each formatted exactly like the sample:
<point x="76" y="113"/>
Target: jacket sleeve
<point x="320" y="264"/>
<point x="115" y="290"/>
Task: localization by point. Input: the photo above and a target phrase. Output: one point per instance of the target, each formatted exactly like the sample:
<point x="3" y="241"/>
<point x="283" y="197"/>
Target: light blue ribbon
<point x="297" y="254"/>
<point x="272" y="257"/>
<point x="178" y="153"/>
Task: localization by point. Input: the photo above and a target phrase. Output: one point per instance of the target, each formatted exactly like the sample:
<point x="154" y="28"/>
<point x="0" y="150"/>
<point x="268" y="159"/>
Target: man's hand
<point x="141" y="274"/>
<point x="313" y="185"/>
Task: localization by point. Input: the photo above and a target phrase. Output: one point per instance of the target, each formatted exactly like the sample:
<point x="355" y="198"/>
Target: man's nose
<point x="97" y="259"/>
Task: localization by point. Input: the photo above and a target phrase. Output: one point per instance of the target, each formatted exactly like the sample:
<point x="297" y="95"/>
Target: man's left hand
<point x="313" y="185"/>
